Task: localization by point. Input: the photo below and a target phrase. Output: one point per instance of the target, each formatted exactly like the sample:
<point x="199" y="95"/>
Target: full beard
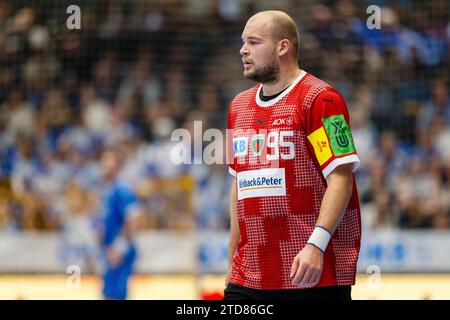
<point x="266" y="74"/>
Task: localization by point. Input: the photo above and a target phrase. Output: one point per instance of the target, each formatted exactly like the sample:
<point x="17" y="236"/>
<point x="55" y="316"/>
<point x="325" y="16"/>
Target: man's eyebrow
<point x="252" y="38"/>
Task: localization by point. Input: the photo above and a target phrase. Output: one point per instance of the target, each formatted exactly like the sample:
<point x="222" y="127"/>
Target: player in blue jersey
<point x="121" y="220"/>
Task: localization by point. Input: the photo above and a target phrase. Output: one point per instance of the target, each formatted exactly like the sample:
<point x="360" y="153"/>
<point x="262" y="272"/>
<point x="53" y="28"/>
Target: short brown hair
<point x="284" y="27"/>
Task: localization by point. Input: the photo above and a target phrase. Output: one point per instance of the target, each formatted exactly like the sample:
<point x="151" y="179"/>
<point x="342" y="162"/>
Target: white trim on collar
<point x="271" y="102"/>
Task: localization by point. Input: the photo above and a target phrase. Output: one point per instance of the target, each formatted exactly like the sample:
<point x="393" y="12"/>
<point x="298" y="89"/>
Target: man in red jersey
<point x="295" y="216"/>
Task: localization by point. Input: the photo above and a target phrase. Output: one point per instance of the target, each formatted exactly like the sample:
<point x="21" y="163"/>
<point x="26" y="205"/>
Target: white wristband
<point x="320" y="238"/>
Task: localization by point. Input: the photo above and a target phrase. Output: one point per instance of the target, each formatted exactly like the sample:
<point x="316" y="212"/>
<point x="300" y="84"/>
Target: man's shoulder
<point x="123" y="188"/>
<point x="316" y="85"/>
<point x="313" y="87"/>
<point x="245" y="97"/>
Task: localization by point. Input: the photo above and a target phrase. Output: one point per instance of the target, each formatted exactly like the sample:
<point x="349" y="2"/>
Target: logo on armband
<point x="341" y="140"/>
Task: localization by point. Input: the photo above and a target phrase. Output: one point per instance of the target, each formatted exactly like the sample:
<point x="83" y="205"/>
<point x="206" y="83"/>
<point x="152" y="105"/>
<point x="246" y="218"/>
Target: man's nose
<point x="244" y="50"/>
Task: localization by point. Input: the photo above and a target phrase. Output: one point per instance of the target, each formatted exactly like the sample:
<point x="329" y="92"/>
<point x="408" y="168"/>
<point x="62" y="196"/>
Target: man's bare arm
<point x="336" y="198"/>
<point x="234" y="229"/>
<point x="307" y="267"/>
<point x="134" y="222"/>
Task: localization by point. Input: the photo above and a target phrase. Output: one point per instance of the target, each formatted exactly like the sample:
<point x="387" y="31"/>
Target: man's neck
<point x="286" y="78"/>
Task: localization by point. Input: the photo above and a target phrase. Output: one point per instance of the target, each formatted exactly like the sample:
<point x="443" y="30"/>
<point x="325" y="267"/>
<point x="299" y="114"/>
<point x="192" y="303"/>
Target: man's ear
<point x="283" y="47"/>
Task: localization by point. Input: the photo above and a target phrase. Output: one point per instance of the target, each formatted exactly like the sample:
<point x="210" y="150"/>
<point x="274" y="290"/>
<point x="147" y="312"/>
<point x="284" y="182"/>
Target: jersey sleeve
<point x="328" y="131"/>
<point x="128" y="202"/>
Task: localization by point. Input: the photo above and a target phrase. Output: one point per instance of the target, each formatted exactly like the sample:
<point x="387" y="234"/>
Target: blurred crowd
<point x="137" y="70"/>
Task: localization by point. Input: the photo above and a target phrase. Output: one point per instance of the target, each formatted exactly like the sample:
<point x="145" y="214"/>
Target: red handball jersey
<point x="283" y="151"/>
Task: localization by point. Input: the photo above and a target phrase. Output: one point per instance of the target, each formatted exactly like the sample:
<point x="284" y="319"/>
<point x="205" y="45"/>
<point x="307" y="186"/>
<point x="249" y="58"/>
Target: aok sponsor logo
<point x="283" y="121"/>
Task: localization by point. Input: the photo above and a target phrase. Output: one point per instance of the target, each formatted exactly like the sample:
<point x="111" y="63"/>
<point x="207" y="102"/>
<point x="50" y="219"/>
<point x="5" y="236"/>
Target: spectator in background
<point x="55" y="113"/>
<point x="120" y="128"/>
<point x="418" y="192"/>
<point x="106" y="77"/>
<point x="364" y="136"/>
<point x="22" y="182"/>
<point x="95" y="111"/>
<point x="6" y="151"/>
<point x="211" y="186"/>
<point x="376" y="197"/>
<point x="440" y="136"/>
<point x="79" y="244"/>
<point x="391" y="153"/>
<point x="17" y="114"/>
<point x="6" y="223"/>
<point x="437" y="107"/>
<point x="78" y="137"/>
<point x="141" y="81"/>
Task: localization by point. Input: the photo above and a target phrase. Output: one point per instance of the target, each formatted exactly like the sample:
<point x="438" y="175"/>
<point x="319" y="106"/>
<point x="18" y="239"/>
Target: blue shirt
<point x="118" y="201"/>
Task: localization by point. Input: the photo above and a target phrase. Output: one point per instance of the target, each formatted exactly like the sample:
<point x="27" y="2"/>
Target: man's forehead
<point x="257" y="29"/>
